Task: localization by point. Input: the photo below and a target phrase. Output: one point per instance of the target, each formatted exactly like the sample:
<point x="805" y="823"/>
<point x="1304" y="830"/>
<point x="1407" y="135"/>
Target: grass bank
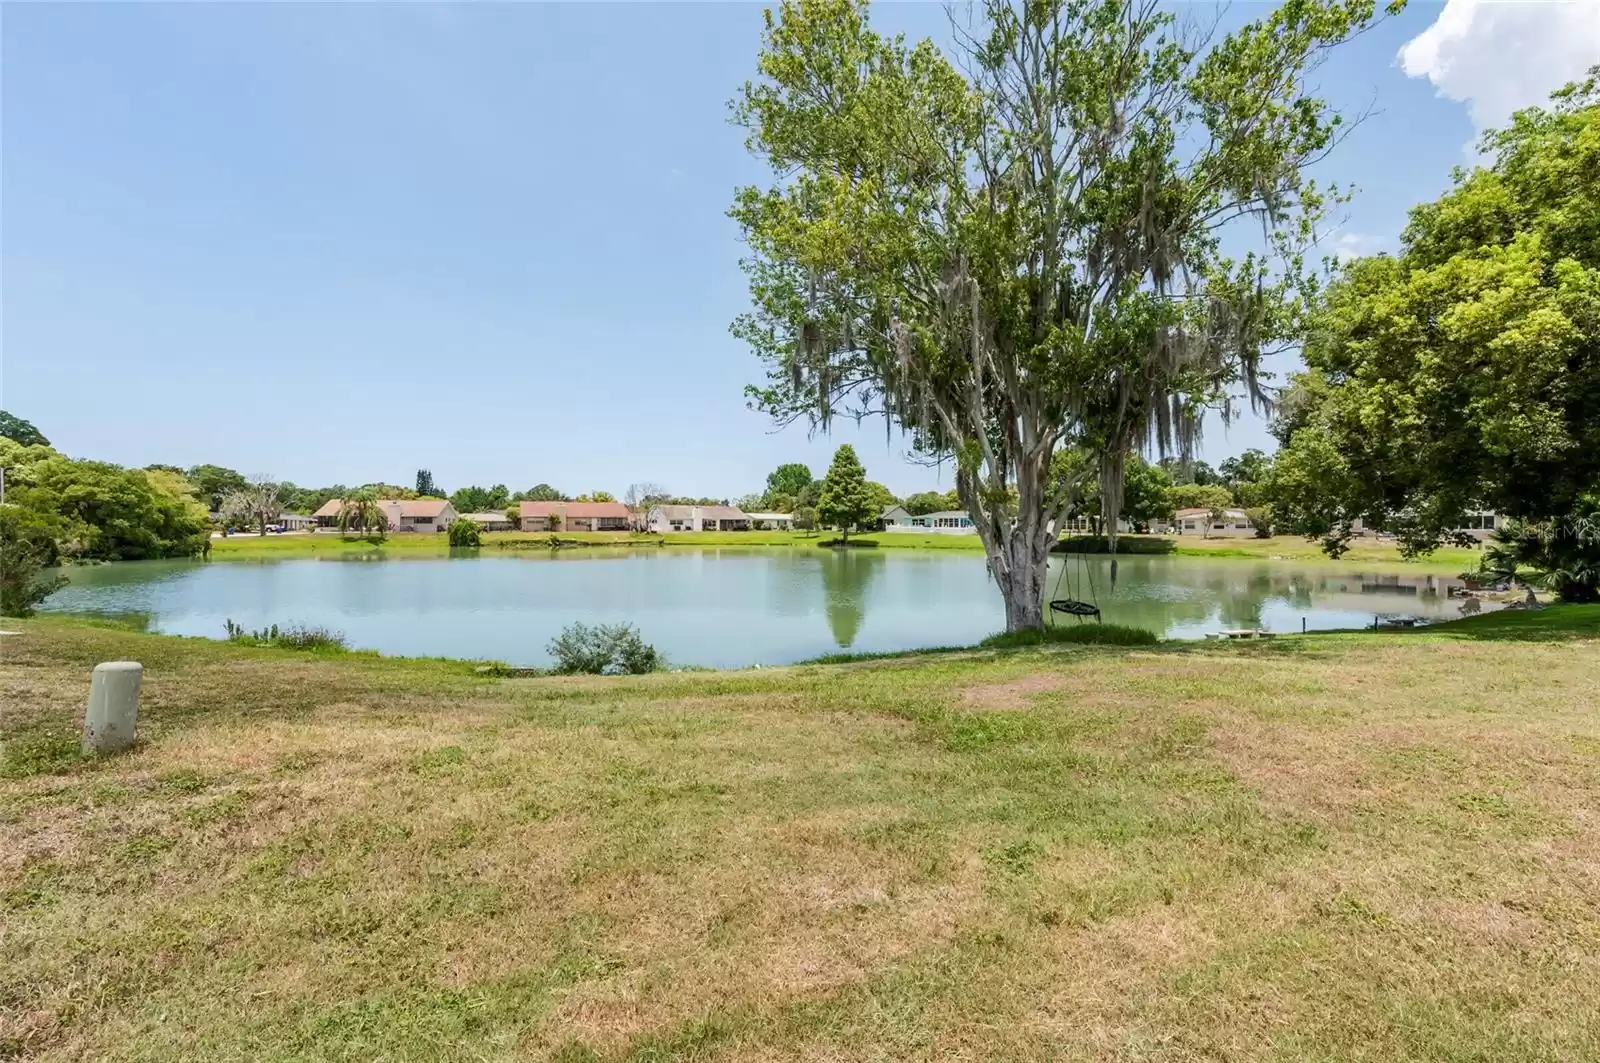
<point x="1283" y="548"/>
<point x="1326" y="847"/>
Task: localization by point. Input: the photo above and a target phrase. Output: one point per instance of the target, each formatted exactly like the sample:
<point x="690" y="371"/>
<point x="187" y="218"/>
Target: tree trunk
<point x="1022" y="578"/>
<point x="1024" y="607"/>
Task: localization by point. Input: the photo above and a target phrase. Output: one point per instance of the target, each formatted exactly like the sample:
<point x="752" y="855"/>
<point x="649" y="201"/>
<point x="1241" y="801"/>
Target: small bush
<point x="27" y="556"/>
<point x="292" y="637"/>
<point x="604" y="649"/>
<point x="1081" y="634"/>
<point x="464" y="532"/>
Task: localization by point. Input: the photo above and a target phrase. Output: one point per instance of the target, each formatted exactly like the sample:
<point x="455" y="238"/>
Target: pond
<point x="725" y="608"/>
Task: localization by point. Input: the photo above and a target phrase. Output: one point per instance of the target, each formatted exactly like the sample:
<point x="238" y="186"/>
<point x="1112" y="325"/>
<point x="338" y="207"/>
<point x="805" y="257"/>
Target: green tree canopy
<point x="1000" y="271"/>
<point x="846" y="500"/>
<point x="1462" y="373"/>
<point x="931" y="502"/>
<point x="105" y="512"/>
<point x="1211" y="497"/>
<point x="212" y="482"/>
<point x="477" y="499"/>
<point x="426" y="488"/>
<point x="16" y="429"/>
<point x="880" y="497"/>
<point x="1144" y="488"/>
<point x="539" y="493"/>
<point x="788" y="480"/>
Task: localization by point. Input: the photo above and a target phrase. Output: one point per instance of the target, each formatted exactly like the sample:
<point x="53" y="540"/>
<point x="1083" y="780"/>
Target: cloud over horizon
<point x="1498" y="58"/>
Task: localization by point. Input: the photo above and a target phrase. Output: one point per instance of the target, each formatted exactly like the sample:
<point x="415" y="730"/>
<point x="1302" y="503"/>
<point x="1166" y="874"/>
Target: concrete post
<point x="113" y="713"/>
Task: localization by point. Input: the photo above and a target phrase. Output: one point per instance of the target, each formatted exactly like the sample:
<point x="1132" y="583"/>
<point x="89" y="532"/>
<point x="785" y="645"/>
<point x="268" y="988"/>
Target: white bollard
<point x="113" y="713"/>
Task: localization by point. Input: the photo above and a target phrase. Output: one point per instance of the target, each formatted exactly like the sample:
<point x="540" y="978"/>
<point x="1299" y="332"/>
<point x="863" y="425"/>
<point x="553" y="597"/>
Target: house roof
<point x="770" y="516"/>
<point x="581" y="510"/>
<point x="672" y="512"/>
<point x="894" y="511"/>
<point x="1235" y="514"/>
<point x="421" y="507"/>
<point x="393" y="507"/>
<point x="487" y="517"/>
<point x="947" y="513"/>
<point x="722" y="512"/>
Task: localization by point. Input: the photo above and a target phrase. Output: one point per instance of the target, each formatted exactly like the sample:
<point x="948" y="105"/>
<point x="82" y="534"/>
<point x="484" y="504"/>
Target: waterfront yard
<point x="1288" y="548"/>
<point x="1381" y="847"/>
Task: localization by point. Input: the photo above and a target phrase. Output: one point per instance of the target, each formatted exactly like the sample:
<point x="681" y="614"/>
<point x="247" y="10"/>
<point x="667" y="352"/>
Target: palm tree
<point x="1562" y="555"/>
<point x="362" y="512"/>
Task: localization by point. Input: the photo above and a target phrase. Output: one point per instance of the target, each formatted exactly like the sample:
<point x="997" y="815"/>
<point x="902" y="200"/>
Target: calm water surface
<point x="724" y="608"/>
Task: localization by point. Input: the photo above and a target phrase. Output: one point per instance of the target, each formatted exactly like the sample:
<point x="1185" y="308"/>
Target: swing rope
<point x="1071" y="605"/>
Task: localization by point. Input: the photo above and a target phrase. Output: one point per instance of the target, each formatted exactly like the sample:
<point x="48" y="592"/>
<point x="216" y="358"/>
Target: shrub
<point x="604" y="649"/>
<point x="464" y="532"/>
<point x="27" y="550"/>
<point x="292" y="637"/>
<point x="1082" y="634"/>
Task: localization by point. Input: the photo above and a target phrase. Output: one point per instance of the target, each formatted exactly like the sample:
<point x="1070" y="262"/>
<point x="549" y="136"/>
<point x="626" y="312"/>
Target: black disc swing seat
<point x="1072" y="606"/>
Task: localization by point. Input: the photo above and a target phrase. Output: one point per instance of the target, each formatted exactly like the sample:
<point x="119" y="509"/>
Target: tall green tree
<point x="1463" y="373"/>
<point x="477" y="499"/>
<point x="924" y="502"/>
<point x="788" y="481"/>
<point x="539" y="493"/>
<point x="15" y="428"/>
<point x="213" y="482"/>
<point x="1020" y="245"/>
<point x="846" y="500"/>
<point x="426" y="488"/>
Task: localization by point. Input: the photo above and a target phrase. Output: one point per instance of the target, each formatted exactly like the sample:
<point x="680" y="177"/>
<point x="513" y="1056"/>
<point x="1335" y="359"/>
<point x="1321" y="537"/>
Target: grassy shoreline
<point x="1363" y="552"/>
<point x="1382" y="842"/>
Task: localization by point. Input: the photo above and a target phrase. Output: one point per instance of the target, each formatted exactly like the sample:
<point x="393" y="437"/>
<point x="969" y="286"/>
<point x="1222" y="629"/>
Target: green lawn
<point x="1358" y="846"/>
<point x="1288" y="548"/>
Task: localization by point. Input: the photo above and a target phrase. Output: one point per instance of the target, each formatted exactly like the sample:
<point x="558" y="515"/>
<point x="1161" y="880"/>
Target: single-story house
<point x="1233" y="524"/>
<point x="953" y="521"/>
<point x="772" y="521"/>
<point x="295" y="521"/>
<point x="403" y="514"/>
<point x="665" y="518"/>
<point x="1479" y="525"/>
<point x="1082" y="525"/>
<point x="491" y="521"/>
<point x="574" y="516"/>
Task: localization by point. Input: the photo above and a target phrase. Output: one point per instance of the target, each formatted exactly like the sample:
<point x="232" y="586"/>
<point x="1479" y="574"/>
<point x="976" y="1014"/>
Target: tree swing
<point x="1071" y="604"/>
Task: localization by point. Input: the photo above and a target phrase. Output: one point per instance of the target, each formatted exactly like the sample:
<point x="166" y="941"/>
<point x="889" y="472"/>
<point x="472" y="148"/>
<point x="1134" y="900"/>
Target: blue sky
<point x="336" y="242"/>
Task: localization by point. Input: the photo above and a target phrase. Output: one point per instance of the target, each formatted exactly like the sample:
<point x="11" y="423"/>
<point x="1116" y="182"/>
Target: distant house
<point x="953" y="521"/>
<point x="1479" y="525"/>
<point x="1081" y="525"/>
<point x="1232" y="524"/>
<point x="574" y="516"/>
<point x="403" y="514"/>
<point x="490" y="522"/>
<point x="665" y="518"/>
<point x="771" y="521"/>
<point x="295" y="521"/>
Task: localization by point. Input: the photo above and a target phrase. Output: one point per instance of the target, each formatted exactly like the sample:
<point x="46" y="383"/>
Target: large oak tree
<point x="1019" y="245"/>
<point x="1463" y="373"/>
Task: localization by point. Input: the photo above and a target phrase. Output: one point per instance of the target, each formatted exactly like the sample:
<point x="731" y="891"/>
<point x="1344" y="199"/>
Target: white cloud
<point x="1346" y="245"/>
<point x="1498" y="58"/>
